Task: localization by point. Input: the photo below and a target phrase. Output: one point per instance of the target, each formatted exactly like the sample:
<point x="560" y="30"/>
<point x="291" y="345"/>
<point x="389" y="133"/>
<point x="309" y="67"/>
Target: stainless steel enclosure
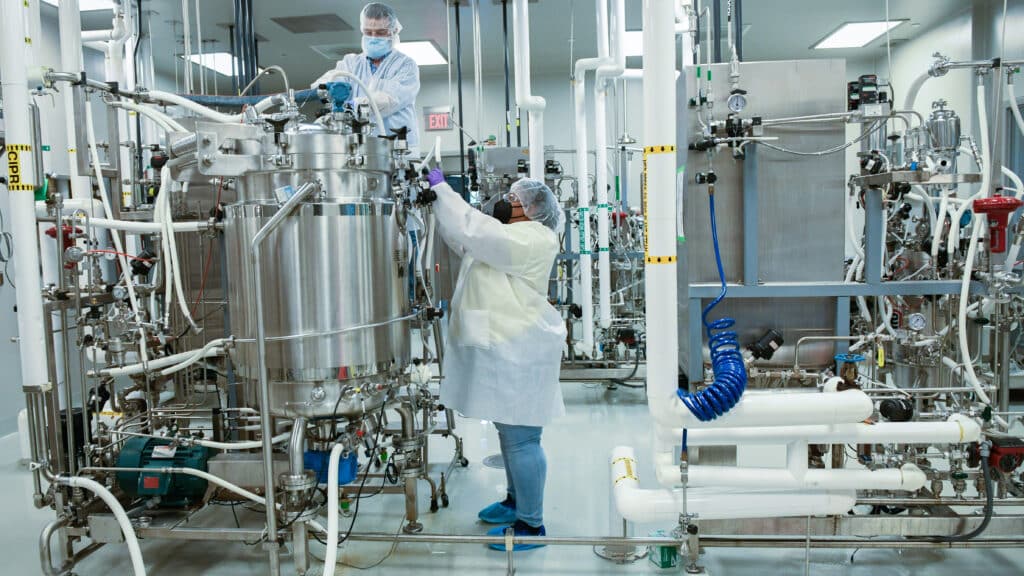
<point x="334" y="278"/>
<point x="788" y="211"/>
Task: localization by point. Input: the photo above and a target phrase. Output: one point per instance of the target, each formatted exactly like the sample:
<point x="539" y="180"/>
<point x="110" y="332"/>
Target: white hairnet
<point x="539" y="203"/>
<point x="379" y="12"/>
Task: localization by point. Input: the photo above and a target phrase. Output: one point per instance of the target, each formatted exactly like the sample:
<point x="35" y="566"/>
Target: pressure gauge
<point x="120" y="293"/>
<point x="737" y="101"/>
<point x="917" y="322"/>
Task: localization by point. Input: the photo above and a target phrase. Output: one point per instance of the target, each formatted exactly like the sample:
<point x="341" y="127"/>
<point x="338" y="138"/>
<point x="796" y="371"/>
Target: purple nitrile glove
<point x="435" y="177"/>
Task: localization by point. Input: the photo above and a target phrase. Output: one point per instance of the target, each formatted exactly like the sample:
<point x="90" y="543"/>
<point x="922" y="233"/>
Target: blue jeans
<point x="526" y="469"/>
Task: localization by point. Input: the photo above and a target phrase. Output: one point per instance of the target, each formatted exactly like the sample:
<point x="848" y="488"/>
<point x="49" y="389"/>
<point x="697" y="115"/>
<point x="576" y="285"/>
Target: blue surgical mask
<point x="376" y="48"/>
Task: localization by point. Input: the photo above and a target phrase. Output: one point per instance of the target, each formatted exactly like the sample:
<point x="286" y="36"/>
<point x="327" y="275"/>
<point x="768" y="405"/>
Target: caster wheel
<point x="464" y="462"/>
<point x="444" y="500"/>
<point x="433" y="505"/>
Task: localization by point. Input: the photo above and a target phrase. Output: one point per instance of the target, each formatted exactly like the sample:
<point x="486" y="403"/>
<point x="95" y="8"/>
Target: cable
<point x="726" y="357"/>
<point x="874" y="128"/>
<point x="6" y="250"/>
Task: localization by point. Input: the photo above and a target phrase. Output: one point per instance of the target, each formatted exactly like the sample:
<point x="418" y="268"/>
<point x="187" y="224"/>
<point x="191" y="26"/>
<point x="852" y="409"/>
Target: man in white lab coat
<point x="505" y="339"/>
<point x="392" y="77"/>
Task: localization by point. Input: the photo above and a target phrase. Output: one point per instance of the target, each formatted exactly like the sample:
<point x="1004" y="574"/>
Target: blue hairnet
<point x="379" y="11"/>
<point x="539" y="203"/>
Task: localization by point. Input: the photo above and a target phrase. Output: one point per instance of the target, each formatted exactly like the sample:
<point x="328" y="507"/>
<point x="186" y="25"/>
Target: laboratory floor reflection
<point x="577" y="504"/>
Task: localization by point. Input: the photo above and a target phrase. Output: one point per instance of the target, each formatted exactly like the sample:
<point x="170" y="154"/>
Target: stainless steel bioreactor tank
<point x="334" y="274"/>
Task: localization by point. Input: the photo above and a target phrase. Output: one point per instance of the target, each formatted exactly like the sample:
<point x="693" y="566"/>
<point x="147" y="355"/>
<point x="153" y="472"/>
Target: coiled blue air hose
<point x="726" y="355"/>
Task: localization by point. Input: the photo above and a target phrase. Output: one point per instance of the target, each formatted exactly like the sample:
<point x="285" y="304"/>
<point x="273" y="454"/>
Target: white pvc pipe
<point x="611" y="68"/>
<point x="956" y="430"/>
<point x="525" y="98"/>
<point x="773" y="409"/>
<point x="907" y="478"/>
<point x="13" y="56"/>
<point x="660" y="286"/>
<point x="138" y="566"/>
<point x="70" y="26"/>
<point x="331" y="554"/>
<point x="583" y="180"/>
<point x="663" y="506"/>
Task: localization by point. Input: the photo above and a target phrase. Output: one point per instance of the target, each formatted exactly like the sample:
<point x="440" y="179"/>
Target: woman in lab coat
<point x="505" y="339"/>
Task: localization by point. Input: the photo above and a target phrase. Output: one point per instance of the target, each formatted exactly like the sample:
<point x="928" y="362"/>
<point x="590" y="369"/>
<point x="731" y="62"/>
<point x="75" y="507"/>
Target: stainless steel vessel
<point x="334" y="275"/>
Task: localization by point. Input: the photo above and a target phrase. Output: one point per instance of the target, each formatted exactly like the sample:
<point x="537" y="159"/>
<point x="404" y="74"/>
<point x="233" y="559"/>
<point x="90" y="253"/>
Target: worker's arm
<point x="330" y="76"/>
<point x="479" y="235"/>
<point x="398" y="90"/>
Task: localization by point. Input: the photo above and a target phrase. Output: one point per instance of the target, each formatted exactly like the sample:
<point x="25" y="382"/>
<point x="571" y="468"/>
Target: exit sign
<point x="437" y="118"/>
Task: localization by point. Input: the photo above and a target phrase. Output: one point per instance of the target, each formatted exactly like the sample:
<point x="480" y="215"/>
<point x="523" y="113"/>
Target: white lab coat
<point x="393" y="87"/>
<point x="505" y="339"/>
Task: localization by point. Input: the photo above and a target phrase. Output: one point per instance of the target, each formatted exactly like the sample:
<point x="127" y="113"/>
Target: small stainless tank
<point x="334" y="276"/>
<point x="944" y="125"/>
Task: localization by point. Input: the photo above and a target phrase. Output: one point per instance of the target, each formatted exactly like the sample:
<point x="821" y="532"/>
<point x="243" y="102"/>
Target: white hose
<point x="246" y="445"/>
<point x="138" y="566"/>
<point x="369" y="95"/>
<point x="331" y="554"/>
<point x="126" y="270"/>
<point x="163" y="120"/>
<point x="195" y="357"/>
<point x="172" y="243"/>
<point x="915" y="87"/>
<point x="156" y="364"/>
<point x="972" y="251"/>
<point x="940" y="222"/>
<point x="171" y="98"/>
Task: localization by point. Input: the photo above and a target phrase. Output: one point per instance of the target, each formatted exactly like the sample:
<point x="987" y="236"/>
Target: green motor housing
<point x="174" y="490"/>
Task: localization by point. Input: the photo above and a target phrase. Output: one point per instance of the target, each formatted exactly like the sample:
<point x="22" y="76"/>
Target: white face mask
<point x="377" y="47"/>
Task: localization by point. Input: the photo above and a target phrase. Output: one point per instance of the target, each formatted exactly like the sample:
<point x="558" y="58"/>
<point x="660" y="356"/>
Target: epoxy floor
<point x="578" y="504"/>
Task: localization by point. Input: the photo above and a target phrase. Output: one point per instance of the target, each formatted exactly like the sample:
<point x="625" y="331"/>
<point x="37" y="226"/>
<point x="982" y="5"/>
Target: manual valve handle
<point x="998" y="210"/>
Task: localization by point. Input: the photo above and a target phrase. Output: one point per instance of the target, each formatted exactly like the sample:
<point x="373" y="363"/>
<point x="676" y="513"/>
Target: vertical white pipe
<point x="525" y="99"/>
<point x="611" y="68"/>
<point x="478" y="78"/>
<point x="14" y="45"/>
<point x="660" y="288"/>
<point x="583" y="179"/>
<point x="70" y="24"/>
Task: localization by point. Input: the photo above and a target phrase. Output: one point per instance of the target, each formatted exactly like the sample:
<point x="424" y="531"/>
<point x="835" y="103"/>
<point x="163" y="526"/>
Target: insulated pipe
<point x="583" y="180"/>
<point x="14" y="43"/>
<point x="660" y="212"/>
<point x="70" y="25"/>
<point x="138" y="566"/>
<point x="915" y="87"/>
<point x="663" y="506"/>
<point x="525" y="98"/>
<point x="610" y="69"/>
<point x="770" y="409"/>
<point x="158" y="363"/>
<point x="907" y="478"/>
<point x="957" y="429"/>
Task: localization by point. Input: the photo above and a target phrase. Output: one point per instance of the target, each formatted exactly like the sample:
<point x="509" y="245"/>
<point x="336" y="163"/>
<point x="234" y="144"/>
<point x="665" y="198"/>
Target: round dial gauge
<point x="737" y="102"/>
<point x="917" y="322"/>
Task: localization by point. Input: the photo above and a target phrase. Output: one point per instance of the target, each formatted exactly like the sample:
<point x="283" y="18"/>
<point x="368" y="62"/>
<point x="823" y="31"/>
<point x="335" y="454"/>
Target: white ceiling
<point x="776" y="29"/>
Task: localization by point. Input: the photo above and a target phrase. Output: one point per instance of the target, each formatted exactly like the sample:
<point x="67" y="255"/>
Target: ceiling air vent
<point x="313" y="23"/>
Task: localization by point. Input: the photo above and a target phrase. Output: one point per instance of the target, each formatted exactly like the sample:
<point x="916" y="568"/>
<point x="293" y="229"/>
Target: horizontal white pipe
<point x="772" y="409"/>
<point x="661" y="506"/>
<point x="956" y="430"/>
<point x="245" y="445"/>
<point x="138" y="566"/>
<point x="909" y="477"/>
<point x="148" y="227"/>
